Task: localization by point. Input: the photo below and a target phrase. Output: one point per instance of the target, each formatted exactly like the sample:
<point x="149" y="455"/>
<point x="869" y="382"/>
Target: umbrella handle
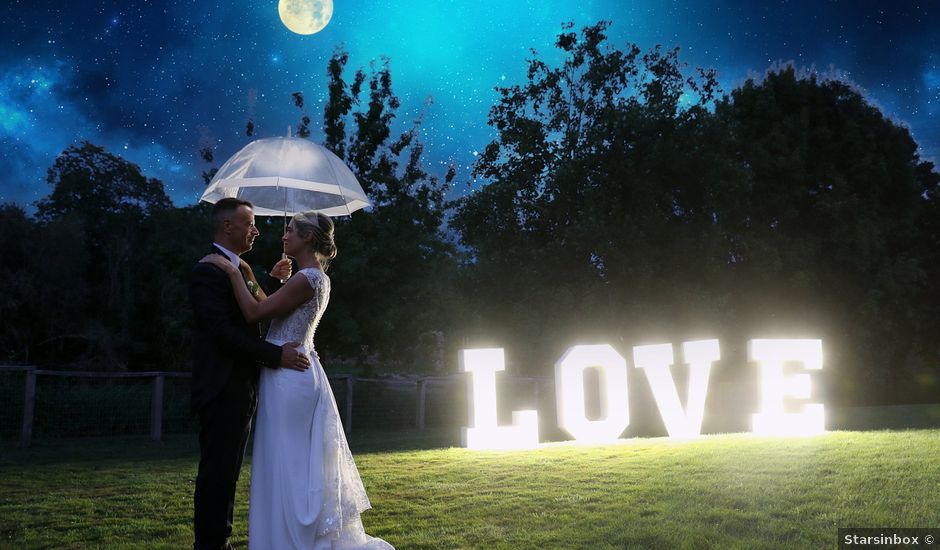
<point x="283" y="253"/>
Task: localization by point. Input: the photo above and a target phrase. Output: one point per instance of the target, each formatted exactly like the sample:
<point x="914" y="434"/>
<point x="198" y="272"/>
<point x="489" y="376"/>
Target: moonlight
<point x="305" y="16"/>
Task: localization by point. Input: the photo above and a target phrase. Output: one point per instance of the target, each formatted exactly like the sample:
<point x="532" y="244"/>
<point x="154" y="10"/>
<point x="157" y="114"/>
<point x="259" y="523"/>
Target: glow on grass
<point x="569" y="390"/>
<point x="484" y="433"/>
<point x="775" y="386"/>
<point x="656" y="360"/>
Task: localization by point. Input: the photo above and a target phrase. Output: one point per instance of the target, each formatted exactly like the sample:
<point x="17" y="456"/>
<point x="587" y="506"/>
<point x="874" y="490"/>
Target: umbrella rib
<point x="329" y="162"/>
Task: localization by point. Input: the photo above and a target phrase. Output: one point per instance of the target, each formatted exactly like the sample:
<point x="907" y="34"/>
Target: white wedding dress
<point x="305" y="489"/>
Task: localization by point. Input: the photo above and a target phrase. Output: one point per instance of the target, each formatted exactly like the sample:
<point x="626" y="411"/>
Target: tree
<point x="207" y="154"/>
<point x="18" y="321"/>
<point x="625" y="203"/>
<point x="594" y="165"/>
<point x="95" y="184"/>
<point x="173" y="240"/>
<point x="394" y="261"/>
<point x="830" y="234"/>
<point x="103" y="195"/>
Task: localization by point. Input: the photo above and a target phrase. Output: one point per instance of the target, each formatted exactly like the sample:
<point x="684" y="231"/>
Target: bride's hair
<point x="320" y="226"/>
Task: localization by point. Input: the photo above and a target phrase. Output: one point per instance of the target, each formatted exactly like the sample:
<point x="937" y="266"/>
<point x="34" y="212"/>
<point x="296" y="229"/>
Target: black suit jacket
<point x="224" y="344"/>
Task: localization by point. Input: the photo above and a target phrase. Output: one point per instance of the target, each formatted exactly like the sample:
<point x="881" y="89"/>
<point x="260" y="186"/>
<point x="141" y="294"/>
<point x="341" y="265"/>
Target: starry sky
<point x="156" y="81"/>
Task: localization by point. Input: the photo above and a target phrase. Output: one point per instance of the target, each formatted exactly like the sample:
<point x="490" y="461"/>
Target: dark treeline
<point x="627" y="200"/>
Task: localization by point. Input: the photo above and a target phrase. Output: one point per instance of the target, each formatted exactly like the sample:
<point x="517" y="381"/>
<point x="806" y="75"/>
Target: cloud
<point x="41" y="115"/>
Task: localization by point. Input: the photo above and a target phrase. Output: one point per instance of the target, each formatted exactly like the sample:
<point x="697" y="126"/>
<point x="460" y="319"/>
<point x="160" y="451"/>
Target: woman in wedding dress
<point x="305" y="489"/>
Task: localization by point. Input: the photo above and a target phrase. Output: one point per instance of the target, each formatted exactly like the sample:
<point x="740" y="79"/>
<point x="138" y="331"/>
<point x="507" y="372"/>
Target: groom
<point x="227" y="353"/>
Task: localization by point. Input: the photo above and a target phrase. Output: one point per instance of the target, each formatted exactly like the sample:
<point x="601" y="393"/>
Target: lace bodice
<point x="301" y="324"/>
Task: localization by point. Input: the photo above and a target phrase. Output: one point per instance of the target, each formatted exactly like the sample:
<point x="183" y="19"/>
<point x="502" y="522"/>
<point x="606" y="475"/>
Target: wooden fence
<point x="33" y="374"/>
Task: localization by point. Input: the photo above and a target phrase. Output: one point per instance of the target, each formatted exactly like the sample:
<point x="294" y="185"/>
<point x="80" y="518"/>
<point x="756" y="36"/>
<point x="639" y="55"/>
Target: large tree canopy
<point x="91" y="182"/>
<point x="98" y="209"/>
<point x="586" y="198"/>
<point x="626" y="203"/>
<point x="830" y="228"/>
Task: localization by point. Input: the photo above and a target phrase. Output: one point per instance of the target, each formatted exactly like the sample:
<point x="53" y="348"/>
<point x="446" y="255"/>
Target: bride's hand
<point x="281" y="270"/>
<point x="220" y="262"/>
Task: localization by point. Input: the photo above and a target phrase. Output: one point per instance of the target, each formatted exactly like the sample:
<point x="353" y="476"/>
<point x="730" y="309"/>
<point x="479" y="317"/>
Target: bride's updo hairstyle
<point x="320" y="226"/>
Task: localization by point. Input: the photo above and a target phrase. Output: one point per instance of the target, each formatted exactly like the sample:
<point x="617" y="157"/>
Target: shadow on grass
<point x="186" y="446"/>
<point x="99" y="450"/>
<point x="403" y="440"/>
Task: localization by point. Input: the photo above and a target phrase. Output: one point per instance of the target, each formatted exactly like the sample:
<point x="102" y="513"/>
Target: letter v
<point x="655" y="360"/>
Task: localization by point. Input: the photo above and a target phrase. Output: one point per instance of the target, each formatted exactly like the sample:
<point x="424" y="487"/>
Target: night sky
<point x="155" y="81"/>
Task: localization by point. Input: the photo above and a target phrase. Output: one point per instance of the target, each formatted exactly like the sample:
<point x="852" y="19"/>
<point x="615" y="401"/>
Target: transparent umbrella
<point x="285" y="175"/>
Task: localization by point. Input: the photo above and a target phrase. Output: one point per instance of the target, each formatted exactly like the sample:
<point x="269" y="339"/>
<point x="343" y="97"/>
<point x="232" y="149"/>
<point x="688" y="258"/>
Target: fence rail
<point x="33" y="381"/>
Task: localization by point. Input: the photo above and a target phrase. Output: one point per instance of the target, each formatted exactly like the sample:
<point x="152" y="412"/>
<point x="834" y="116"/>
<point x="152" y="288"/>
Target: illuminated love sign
<point x="655" y="360"/>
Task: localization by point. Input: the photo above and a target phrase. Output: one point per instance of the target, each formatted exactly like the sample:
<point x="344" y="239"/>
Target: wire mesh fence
<point x="76" y="404"/>
<point x="69" y="407"/>
<point x="12" y="382"/>
<point x="382" y="406"/>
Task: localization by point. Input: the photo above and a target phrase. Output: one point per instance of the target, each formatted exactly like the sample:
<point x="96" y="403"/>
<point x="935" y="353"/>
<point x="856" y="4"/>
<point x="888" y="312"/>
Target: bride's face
<point x="292" y="241"/>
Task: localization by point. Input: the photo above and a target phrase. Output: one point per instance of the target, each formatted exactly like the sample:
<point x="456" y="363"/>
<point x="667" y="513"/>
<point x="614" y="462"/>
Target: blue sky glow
<point x="154" y="82"/>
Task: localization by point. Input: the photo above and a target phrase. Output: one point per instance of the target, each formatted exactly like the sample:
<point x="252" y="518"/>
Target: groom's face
<point x="242" y="230"/>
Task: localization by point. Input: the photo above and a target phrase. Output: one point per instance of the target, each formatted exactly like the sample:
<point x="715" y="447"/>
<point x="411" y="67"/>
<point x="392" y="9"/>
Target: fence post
<point x="156" y="409"/>
<point x="347" y="420"/>
<point x="29" y="405"/>
<point x="419" y="403"/>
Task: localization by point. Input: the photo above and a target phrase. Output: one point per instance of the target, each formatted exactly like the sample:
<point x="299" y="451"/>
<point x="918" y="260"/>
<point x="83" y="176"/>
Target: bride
<point x="305" y="489"/>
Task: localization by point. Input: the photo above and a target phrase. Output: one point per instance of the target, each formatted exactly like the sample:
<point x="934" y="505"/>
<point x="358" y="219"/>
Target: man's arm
<point x="209" y="290"/>
<point x="269" y="284"/>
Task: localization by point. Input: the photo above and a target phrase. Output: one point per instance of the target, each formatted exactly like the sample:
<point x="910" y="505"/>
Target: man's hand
<point x="282" y="269"/>
<point x="293" y="358"/>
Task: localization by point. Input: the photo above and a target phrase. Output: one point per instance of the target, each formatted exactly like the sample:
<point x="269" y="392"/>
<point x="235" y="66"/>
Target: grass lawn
<point x="723" y="491"/>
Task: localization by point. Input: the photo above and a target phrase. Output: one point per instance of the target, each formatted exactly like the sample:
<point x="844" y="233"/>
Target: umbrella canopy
<point x="285" y="175"/>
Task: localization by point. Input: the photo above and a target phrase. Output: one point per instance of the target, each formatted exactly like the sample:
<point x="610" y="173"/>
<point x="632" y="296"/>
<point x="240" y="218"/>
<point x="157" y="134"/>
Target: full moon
<point x="305" y="16"/>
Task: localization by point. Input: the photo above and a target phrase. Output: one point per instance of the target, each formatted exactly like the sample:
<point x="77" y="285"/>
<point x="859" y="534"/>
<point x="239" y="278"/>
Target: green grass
<point x="725" y="491"/>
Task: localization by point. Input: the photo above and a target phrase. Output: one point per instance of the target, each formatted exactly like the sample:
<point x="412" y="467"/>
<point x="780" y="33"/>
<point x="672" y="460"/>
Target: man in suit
<point x="227" y="354"/>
